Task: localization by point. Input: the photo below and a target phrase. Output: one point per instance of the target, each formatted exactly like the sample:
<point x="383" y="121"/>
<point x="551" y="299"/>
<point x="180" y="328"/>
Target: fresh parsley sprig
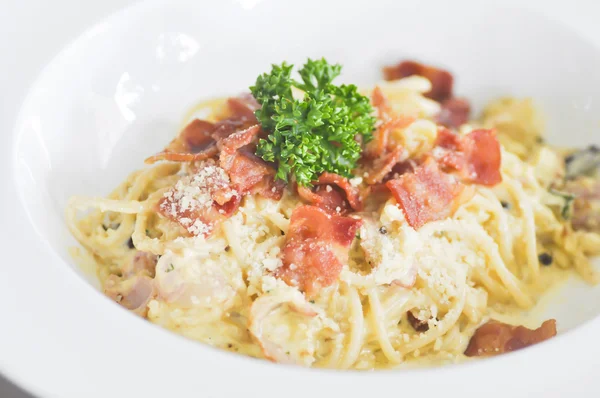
<point x="316" y="134"/>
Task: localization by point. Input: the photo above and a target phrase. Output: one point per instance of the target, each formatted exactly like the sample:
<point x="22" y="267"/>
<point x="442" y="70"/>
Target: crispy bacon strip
<point x="316" y="248"/>
<point x="493" y="338"/>
<point x="333" y="193"/>
<point x="427" y="194"/>
<point x="381" y="103"/>
<point x="198" y="140"/>
<point x="476" y="156"/>
<point x="382" y="166"/>
<point x="454" y="113"/>
<point x="380" y="143"/>
<point x="243" y="107"/>
<point x="441" y="80"/>
<point x="194" y="143"/>
<point x="248" y="172"/>
<point x="352" y="193"/>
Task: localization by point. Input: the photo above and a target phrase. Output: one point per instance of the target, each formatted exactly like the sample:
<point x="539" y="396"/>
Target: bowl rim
<point x="192" y="355"/>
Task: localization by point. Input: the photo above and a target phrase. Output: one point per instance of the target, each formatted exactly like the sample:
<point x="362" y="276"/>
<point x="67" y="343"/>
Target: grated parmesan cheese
<point x="195" y="193"/>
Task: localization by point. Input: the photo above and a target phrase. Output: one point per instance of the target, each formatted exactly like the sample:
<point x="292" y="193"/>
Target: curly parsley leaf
<point x="316" y="134"/>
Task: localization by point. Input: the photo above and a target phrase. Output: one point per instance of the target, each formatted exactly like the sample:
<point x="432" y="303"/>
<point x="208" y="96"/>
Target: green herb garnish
<point x="316" y="134"/>
<point x="566" y="210"/>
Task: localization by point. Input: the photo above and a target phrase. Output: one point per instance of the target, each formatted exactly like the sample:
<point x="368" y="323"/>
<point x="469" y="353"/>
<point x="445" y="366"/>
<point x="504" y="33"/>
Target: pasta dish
<point x="325" y="225"/>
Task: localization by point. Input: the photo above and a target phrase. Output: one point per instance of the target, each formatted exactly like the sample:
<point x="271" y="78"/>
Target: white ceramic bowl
<point x="118" y="93"/>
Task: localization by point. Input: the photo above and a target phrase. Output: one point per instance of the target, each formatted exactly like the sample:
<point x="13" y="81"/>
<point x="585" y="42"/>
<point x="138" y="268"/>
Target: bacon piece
<point x="192" y="144"/>
<point x="384" y="165"/>
<point x="476" y="156"/>
<point x="448" y="140"/>
<point x="441" y="80"/>
<point x="329" y="199"/>
<point x="316" y="248"/>
<point x="381" y="103"/>
<point x="483" y="155"/>
<point x="352" y="193"/>
<point x="493" y="338"/>
<point x="454" y="113"/>
<point x="201" y="201"/>
<point x="380" y="143"/>
<point x="333" y="193"/>
<point x="197" y="141"/>
<point x="243" y="107"/>
<point x="248" y="172"/>
<point x="427" y="194"/>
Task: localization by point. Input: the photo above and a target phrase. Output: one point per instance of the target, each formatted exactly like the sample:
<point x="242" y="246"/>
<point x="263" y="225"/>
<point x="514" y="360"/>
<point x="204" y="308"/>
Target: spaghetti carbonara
<point x="446" y="231"/>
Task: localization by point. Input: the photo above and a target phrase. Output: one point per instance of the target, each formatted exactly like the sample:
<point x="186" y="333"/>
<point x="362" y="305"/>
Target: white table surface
<point x="52" y="24"/>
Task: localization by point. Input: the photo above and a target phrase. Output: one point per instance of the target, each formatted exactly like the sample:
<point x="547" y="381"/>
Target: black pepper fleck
<point x="545" y="259"/>
<point x="383" y="230"/>
<point x="227" y="248"/>
<point x="504" y="204"/>
<point x="130" y="244"/>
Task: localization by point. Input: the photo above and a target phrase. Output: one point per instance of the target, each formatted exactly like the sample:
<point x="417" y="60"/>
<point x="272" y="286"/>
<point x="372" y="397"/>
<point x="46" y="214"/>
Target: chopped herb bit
<point x="505" y="205"/>
<point x="566" y="210"/>
<point x="317" y="133"/>
<point x="170" y="268"/>
<point x="383" y="230"/>
<point x="545" y="259"/>
<point x="312" y="301"/>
